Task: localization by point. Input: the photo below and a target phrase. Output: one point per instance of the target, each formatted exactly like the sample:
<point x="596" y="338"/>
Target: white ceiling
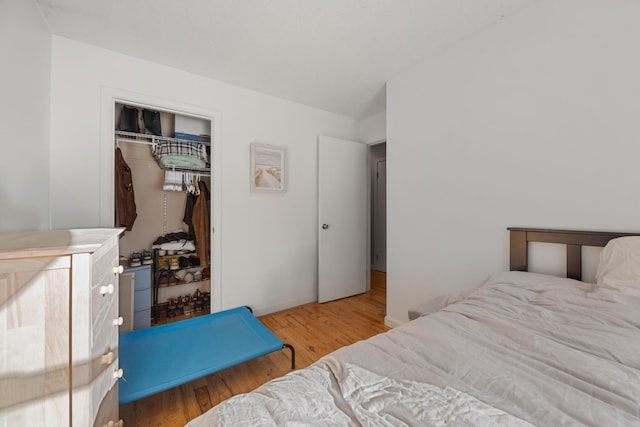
<point x="335" y="55"/>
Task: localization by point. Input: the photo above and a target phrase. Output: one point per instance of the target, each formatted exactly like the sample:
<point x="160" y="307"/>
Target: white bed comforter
<point x="522" y="349"/>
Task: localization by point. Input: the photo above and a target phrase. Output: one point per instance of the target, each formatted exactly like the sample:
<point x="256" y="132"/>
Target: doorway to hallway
<point x="378" y="162"/>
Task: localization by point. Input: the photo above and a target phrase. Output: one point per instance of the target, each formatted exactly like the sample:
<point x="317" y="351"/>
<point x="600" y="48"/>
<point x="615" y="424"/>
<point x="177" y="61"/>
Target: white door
<point x="342" y="218"/>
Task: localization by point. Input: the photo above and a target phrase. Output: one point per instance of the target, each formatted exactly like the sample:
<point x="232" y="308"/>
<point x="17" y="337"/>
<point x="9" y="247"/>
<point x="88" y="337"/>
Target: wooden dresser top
<point x="54" y="243"/>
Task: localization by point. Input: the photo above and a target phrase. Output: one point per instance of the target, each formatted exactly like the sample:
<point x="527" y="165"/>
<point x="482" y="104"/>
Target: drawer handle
<point x="111" y="423"/>
<point x="117" y="373"/>
<point x="107" y="359"/>
<point x="118" y="270"/>
<point x="106" y="289"/>
<point x="119" y="321"/>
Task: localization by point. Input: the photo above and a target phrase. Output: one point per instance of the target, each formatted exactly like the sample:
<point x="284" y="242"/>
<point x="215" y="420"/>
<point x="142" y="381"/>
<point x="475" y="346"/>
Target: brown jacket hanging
<point x="201" y="221"/>
<point x="125" y="206"/>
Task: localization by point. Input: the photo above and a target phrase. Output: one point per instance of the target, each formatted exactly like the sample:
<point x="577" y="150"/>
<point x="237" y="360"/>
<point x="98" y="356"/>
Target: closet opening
<point x="162" y="196"/>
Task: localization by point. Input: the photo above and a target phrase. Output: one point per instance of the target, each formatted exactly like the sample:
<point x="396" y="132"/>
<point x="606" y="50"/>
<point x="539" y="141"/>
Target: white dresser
<point x="59" y="328"/>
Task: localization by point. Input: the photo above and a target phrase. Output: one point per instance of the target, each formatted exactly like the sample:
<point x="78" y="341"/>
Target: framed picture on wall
<point x="268" y="168"/>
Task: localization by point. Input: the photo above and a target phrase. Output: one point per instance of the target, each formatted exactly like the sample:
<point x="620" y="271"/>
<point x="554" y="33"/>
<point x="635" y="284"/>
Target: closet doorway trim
<point x="108" y="98"/>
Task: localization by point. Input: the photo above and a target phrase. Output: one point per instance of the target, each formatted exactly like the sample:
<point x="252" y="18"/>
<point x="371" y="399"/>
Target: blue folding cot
<point x="161" y="357"/>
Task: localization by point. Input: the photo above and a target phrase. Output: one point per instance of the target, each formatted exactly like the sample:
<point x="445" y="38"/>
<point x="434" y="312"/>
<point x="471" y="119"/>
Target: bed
<point x="521" y="349"/>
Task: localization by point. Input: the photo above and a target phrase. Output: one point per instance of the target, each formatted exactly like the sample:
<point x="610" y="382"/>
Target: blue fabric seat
<point x="161" y="357"/>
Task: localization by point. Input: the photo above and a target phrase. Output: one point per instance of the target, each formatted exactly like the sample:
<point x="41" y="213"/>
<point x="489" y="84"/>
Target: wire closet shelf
<point x="153" y="140"/>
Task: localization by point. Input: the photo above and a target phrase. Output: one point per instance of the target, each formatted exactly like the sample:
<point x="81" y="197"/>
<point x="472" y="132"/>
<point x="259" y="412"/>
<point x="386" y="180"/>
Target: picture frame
<point x="268" y="168"/>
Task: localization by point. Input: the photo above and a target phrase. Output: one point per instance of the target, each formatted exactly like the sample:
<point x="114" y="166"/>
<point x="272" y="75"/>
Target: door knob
<point x="325" y="226"/>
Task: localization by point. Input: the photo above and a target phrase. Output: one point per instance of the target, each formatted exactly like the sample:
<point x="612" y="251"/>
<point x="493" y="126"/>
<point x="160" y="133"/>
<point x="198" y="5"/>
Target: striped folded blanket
<point x="181" y="154"/>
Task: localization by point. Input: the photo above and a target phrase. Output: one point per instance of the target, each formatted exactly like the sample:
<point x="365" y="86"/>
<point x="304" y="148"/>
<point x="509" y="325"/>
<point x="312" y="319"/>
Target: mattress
<point x="522" y="349"/>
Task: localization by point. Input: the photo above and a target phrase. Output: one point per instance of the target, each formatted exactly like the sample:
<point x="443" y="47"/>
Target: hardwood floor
<point x="313" y="329"/>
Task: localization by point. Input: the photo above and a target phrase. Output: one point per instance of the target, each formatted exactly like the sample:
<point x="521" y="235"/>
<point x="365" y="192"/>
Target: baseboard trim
<point x="391" y="322"/>
<point x="261" y="311"/>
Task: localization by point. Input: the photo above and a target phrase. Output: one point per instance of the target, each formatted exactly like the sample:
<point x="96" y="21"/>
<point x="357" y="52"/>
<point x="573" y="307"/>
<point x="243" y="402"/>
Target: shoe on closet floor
<point x="206" y="300"/>
<point x="135" y="260"/>
<point x="172" y="279"/>
<point x="146" y="258"/>
<point x="172" y="308"/>
<point x="184" y="262"/>
<point x="124" y="262"/>
<point x="163" y="279"/>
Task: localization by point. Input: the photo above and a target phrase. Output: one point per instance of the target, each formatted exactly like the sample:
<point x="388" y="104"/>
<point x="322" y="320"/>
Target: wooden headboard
<point x="573" y="239"/>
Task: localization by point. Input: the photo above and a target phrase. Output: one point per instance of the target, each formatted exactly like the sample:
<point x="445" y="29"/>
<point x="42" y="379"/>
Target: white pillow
<point x="619" y="265"/>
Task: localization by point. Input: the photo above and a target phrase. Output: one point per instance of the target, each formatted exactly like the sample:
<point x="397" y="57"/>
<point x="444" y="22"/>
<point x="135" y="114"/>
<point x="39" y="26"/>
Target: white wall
<point x="374" y="128"/>
<point x="269" y="241"/>
<point x="25" y="48"/>
<point x="534" y="122"/>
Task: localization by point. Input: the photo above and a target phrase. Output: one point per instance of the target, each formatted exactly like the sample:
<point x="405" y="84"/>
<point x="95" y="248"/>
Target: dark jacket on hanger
<point x="125" y="206"/>
<point x="188" y="214"/>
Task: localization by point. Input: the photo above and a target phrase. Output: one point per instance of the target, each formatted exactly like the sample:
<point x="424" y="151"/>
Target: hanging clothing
<point x="125" y="202"/>
<point x="173" y="180"/>
<point x="201" y="221"/>
<point x="188" y="214"/>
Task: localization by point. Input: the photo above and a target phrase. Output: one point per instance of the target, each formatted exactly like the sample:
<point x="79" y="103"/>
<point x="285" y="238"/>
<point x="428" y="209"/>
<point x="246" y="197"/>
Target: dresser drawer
<point x="142" y="300"/>
<point x="142" y="319"/>
<point x="103" y="389"/>
<point x="103" y="262"/>
<point x="142" y="276"/>
<point x="104" y="309"/>
<point x="108" y="410"/>
<point x="104" y="333"/>
<point x="104" y="350"/>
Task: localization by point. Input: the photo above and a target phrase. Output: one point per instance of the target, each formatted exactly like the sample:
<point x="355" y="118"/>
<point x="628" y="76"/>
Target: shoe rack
<point x="181" y="284"/>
